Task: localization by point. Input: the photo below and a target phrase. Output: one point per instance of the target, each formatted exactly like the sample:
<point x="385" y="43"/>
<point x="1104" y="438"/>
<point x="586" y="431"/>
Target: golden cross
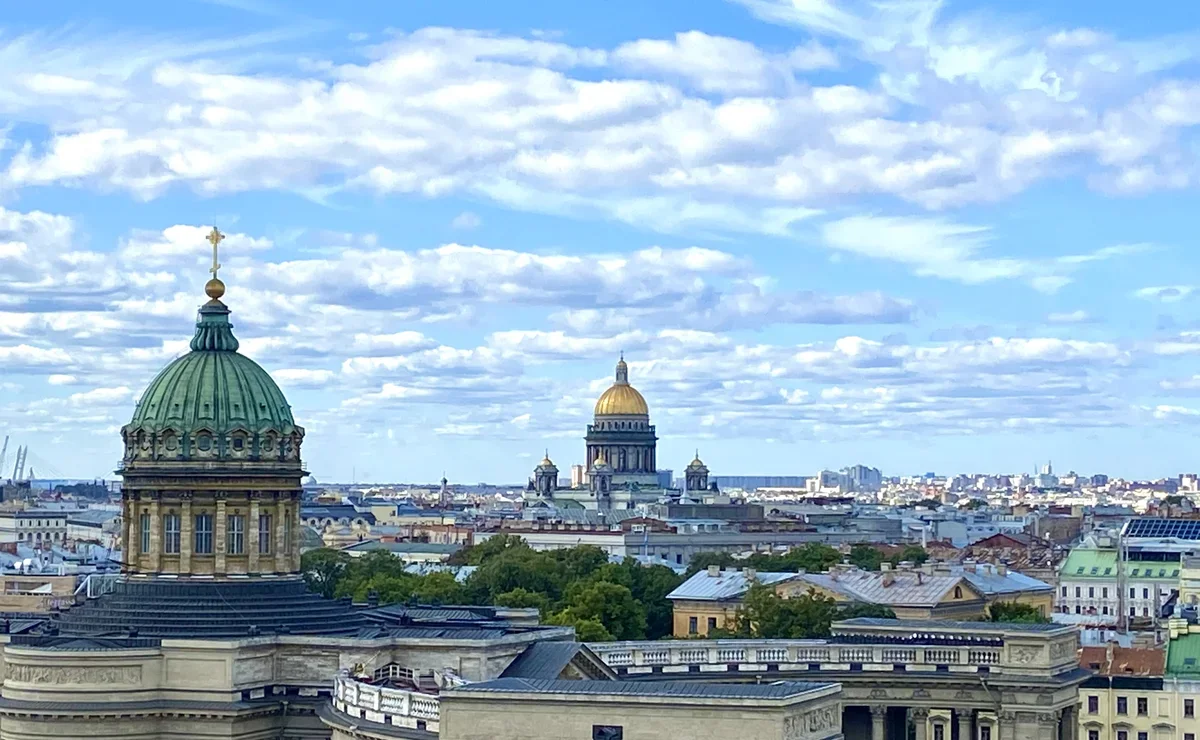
<point x="215" y="237"/>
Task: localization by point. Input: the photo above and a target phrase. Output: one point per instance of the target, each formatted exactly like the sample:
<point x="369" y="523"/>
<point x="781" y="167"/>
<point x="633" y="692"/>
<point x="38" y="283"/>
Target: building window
<point x="607" y="732"/>
<point x="939" y="731"/>
<point x="287" y="534"/>
<point x="1143" y="735"/>
<point x="264" y="534"/>
<point x="1189" y="707"/>
<point x="957" y="593"/>
<point x="985" y="732"/>
<point x="1133" y="593"/>
<point x="1104" y="610"/>
<point x="1091" y="592"/>
<point x="1093" y="735"/>
<point x="1145" y="593"/>
<point x="1122" y="735"/>
<point x="204" y="534"/>
<point x="1093" y="705"/>
<point x="712" y="623"/>
<point x="144" y="523"/>
<point x="1104" y="593"/>
<point x="1077" y="608"/>
<point x="1133" y="611"/>
<point x="1122" y="705"/>
<point x="236" y="542"/>
<point x="1143" y="705"/>
<point x="1064" y="592"/>
<point x="1145" y="611"/>
<point x="1189" y="736"/>
<point x="1078" y="592"/>
<point x="692" y="625"/>
<point x="171" y="534"/>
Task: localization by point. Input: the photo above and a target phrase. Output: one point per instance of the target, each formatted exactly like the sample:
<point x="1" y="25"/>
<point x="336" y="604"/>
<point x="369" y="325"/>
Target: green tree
<point x="975" y="504"/>
<point x="323" y="569"/>
<point x="866" y="557"/>
<point x="765" y="614"/>
<point x="1016" y="612"/>
<point x="519" y="598"/>
<point x="580" y="561"/>
<point x="928" y="503"/>
<point x="610" y="604"/>
<point x="439" y="588"/>
<point x="586" y="630"/>
<point x="489" y="548"/>
<point x="859" y="609"/>
<point x="914" y="554"/>
<point x="701" y="560"/>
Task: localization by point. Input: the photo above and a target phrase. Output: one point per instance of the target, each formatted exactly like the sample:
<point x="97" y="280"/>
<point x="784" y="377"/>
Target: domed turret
<point x="212" y="471"/>
<point x="621" y="399"/>
<point x="696" y="474"/>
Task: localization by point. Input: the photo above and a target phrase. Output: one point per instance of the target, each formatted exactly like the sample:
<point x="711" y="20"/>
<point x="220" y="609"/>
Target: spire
<point x="214" y="333"/>
<point x="214" y="287"/>
<point x="622" y="371"/>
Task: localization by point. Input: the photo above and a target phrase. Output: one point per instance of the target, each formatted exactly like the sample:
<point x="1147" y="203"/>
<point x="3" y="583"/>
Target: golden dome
<point x="622" y="399"/>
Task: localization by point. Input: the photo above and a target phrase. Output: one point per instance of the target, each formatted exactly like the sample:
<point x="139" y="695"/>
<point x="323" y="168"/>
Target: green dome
<point x="212" y="403"/>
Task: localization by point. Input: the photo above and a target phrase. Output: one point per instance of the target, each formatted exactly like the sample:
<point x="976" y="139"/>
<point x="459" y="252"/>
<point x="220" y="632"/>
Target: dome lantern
<point x="621" y="398"/>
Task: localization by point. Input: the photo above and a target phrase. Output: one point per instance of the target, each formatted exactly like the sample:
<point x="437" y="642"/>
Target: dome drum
<point x="205" y="444"/>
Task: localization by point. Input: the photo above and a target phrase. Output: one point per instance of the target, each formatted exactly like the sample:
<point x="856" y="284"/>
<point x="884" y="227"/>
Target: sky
<point x="919" y="235"/>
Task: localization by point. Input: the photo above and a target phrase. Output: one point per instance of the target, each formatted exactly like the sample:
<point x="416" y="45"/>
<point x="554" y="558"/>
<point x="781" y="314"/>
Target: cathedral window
<point x="204" y="534"/>
<point x="236" y="541"/>
<point x="287" y="534"/>
<point x="145" y="532"/>
<point x="171" y="534"/>
<point x="264" y="534"/>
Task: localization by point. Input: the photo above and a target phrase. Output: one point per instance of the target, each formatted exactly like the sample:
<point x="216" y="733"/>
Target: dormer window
<point x="238" y="443"/>
<point x="204" y="442"/>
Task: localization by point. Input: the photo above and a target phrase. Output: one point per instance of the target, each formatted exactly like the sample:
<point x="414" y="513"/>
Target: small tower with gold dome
<point x="621" y="433"/>
<point x="545" y="477"/>
<point x="696" y="475"/>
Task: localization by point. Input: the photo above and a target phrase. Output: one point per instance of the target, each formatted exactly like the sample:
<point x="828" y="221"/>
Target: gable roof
<point x="906" y="588"/>
<point x="1123" y="661"/>
<point x="726" y="585"/>
<point x="548" y="660"/>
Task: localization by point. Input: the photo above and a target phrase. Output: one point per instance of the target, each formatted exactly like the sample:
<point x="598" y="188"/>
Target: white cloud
<point x="1078" y="316"/>
<point x="466" y="221"/>
<point x="1165" y="293"/>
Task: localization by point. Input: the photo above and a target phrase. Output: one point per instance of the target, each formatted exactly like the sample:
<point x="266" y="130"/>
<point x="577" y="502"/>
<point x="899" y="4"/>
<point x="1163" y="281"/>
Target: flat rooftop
<point x="665" y="689"/>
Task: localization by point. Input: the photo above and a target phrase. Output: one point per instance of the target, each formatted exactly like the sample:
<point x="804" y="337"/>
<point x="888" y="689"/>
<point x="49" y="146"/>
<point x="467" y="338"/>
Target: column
<point x="297" y="535"/>
<point x="219" y="536"/>
<point x="135" y="535"/>
<point x="280" y="542"/>
<point x="185" y="536"/>
<point x="965" y="724"/>
<point x="126" y="523"/>
<point x="156" y="544"/>
<point x="252" y="533"/>
<point x="879" y="714"/>
<point x="1006" y="725"/>
<point x="920" y="718"/>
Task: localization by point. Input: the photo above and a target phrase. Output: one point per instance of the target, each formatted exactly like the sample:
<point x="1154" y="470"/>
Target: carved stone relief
<point x="75" y="674"/>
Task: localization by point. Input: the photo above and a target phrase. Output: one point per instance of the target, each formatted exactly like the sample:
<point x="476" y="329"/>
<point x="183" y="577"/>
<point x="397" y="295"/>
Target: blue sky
<point x="947" y="236"/>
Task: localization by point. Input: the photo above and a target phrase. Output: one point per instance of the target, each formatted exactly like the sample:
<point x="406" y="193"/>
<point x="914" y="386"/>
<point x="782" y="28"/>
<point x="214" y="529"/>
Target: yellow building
<point x="710" y="599"/>
<point x="1142" y="693"/>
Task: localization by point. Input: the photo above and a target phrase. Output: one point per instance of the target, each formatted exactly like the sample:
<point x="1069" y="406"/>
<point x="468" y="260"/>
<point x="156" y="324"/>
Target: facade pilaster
<point x="920" y="719"/>
<point x="156" y="543"/>
<point x="220" y="539"/>
<point x="252" y="533"/>
<point x="185" y="536"/>
<point x="879" y="714"/>
<point x="966" y="725"/>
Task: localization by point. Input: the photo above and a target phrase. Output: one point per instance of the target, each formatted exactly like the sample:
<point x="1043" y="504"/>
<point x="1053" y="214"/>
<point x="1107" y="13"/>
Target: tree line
<point x="602" y="600"/>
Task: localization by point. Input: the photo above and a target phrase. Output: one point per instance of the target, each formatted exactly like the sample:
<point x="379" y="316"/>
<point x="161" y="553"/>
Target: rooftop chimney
<point x="888" y="577"/>
<point x="1002" y="569"/>
<point x="885" y="566"/>
<point x="749" y="573"/>
<point x="714" y="571"/>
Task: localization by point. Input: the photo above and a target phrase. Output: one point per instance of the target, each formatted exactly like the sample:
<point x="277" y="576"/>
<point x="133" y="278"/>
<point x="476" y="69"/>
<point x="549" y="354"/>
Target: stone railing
<point x="679" y="656"/>
<point x="387" y="706"/>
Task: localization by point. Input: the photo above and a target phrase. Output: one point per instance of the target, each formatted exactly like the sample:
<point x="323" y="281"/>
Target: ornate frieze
<point x="50" y="674"/>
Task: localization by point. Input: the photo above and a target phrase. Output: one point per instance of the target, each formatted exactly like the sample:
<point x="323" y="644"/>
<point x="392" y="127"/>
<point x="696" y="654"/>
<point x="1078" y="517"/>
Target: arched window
<point x="958" y="592"/>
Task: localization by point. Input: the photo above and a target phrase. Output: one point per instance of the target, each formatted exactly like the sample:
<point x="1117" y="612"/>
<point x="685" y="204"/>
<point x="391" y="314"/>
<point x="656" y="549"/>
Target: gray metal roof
<point x="933" y="625"/>
<point x="729" y="584"/>
<point x="543" y="660"/>
<point x="672" y="689"/>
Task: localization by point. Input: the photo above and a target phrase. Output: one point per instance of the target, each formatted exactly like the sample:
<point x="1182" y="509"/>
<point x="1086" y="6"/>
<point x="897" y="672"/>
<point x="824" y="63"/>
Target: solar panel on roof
<point x="1185" y="529"/>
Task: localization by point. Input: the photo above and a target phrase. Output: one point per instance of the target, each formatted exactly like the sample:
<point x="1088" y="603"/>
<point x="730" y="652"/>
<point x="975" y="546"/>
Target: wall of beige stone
<point x="502" y="717"/>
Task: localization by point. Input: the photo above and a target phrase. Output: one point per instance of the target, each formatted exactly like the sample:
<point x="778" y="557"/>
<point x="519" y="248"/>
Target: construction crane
<point x="3" y="454"/>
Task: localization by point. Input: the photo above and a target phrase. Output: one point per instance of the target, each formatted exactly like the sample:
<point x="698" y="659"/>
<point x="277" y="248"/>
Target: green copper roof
<point x="1085" y="562"/>
<point x="213" y="387"/>
<point x="1183" y="656"/>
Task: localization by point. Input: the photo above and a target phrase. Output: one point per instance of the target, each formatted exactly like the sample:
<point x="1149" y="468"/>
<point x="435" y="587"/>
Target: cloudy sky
<point x="918" y="235"/>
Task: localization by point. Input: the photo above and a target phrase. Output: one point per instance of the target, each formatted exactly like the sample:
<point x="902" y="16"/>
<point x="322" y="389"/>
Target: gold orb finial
<point x="214" y="289"/>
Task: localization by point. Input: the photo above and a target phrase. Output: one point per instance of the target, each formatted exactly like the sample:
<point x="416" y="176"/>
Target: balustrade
<point x="391" y="706"/>
<point x="649" y="655"/>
